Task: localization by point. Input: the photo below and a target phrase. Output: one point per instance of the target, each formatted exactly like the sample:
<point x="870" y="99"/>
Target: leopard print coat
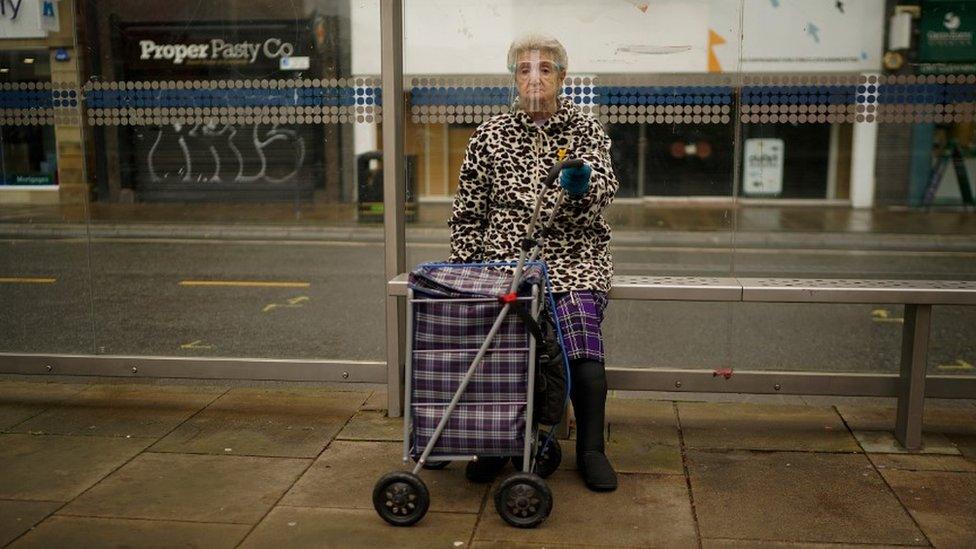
<point x="506" y="160"/>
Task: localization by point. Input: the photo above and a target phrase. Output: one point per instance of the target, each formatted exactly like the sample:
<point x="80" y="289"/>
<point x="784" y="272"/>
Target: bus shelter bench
<point x="909" y="385"/>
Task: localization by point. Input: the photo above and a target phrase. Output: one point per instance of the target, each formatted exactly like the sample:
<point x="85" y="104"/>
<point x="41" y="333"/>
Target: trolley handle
<point x="560" y="166"/>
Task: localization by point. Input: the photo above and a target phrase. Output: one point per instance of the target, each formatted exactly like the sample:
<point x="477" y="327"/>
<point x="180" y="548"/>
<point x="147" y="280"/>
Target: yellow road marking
<point x="27" y="280"/>
<point x="293" y="302"/>
<point x="195" y="345"/>
<point x="881" y="315"/>
<point x="245" y="283"/>
<point x="959" y="365"/>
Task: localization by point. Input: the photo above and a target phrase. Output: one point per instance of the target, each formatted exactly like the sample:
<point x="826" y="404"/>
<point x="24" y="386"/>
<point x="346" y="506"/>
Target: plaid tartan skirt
<point x="580" y="316"/>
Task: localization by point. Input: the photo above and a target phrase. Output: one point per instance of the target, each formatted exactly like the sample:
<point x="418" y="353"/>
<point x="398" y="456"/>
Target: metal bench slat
<point x="656" y="288"/>
<point x="675" y="288"/>
<point x="826" y="290"/>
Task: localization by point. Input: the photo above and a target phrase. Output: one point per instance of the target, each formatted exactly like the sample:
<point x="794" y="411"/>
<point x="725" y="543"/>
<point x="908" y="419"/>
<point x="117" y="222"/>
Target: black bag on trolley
<point x="550" y="367"/>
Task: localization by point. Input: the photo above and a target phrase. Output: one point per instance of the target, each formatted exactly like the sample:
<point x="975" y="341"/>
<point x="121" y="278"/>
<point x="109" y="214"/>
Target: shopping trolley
<point x="470" y="378"/>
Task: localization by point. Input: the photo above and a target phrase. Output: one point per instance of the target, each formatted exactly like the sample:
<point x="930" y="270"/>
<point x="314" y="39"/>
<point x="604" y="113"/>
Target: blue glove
<point x="576" y="181"/>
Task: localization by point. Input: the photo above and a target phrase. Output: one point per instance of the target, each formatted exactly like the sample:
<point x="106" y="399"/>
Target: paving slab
<point x="526" y="545"/>
<point x="20" y="400"/>
<point x="376" y="402"/>
<point x="915" y="462"/>
<point x="17" y="517"/>
<point x="370" y="425"/>
<point x="759" y="544"/>
<point x="631" y="452"/>
<point x="347" y="528"/>
<point x="654" y="419"/>
<point x="122" y="410"/>
<point x="764" y="427"/>
<point x="884" y="442"/>
<point x="99" y="532"/>
<point x="642" y="436"/>
<point x="645" y="511"/>
<point x="966" y="444"/>
<point x="943" y="503"/>
<point x="58" y="468"/>
<point x="346" y="472"/>
<point x="796" y="497"/>
<point x="943" y="417"/>
<point x="202" y="488"/>
<point x="266" y="422"/>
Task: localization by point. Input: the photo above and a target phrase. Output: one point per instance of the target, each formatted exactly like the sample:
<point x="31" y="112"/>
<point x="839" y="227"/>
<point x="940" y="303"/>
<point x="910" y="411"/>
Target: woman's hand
<point x="576" y="181"/>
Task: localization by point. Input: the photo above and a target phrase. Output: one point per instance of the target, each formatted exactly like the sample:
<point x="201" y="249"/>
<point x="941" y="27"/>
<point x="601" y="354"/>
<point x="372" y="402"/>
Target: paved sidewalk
<point x="104" y="463"/>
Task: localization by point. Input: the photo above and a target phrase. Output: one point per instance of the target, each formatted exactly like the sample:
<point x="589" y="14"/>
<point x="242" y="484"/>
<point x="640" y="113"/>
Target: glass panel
<point x="45" y="288"/>
<point x="660" y="80"/>
<point x="752" y="139"/>
<point x="234" y="208"/>
<point x="856" y="137"/>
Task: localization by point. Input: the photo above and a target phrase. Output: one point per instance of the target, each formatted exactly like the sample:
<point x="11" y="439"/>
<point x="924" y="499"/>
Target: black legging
<point x="589" y="394"/>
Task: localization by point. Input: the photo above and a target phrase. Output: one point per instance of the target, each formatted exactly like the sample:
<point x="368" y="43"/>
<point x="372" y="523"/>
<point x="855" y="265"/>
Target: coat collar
<point x="564" y="114"/>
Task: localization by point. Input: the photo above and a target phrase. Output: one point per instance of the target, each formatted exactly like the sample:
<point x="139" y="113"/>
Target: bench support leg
<point x="911" y="386"/>
<point x="395" y="338"/>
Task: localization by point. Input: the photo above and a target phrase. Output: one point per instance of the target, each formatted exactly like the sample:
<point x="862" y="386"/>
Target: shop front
<point x="944" y="166"/>
<point x="36" y="61"/>
<point x="204" y="109"/>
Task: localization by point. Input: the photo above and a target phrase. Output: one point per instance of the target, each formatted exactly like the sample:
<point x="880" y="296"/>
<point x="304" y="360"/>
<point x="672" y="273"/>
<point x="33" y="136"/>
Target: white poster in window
<point x="763" y="167"/>
<point x="21" y="19"/>
<point x="49" y="16"/>
<point x="632" y="36"/>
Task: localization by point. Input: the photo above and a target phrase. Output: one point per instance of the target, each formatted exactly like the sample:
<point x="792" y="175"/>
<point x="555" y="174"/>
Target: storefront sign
<point x="763" y="166"/>
<point x="21" y="19"/>
<point x="946" y="32"/>
<point x="175" y="48"/>
<point x="216" y="50"/>
<point x="27" y="179"/>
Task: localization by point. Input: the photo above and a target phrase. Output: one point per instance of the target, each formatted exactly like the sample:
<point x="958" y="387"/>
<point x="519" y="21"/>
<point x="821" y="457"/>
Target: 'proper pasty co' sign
<point x="177" y="49"/>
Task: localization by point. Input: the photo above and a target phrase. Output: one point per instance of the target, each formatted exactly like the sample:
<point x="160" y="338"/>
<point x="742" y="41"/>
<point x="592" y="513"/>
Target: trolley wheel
<point x="523" y="500"/>
<point x="547" y="462"/>
<point x="401" y="498"/>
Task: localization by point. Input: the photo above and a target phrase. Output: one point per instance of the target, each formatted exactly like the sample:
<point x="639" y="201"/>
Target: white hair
<point x="540" y="42"/>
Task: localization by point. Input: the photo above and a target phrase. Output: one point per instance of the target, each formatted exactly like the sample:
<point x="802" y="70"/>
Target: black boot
<point x="485" y="469"/>
<point x="589" y="394"/>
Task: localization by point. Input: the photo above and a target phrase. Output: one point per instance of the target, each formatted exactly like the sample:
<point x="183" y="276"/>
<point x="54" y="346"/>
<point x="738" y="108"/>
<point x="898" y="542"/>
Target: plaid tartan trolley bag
<point x="470" y="379"/>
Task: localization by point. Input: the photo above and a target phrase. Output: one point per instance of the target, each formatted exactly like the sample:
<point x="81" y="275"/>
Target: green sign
<point x="27" y="179"/>
<point x="947" y="68"/>
<point x="946" y="32"/>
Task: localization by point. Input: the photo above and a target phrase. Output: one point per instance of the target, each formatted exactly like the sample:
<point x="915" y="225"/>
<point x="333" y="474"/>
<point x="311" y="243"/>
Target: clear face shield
<point x="537" y="81"/>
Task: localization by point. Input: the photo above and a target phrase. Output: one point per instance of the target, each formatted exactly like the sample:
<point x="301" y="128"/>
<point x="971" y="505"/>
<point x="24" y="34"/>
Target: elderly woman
<point x="504" y="165"/>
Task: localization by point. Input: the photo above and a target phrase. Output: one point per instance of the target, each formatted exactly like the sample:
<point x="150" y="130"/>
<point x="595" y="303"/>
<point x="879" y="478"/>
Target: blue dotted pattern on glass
<point x="918" y="94"/>
<point x="496" y="95"/>
<point x="247" y="97"/>
<point x="662" y="95"/>
<point x="449" y="95"/>
<point x="799" y="95"/>
<point x="36" y="99"/>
